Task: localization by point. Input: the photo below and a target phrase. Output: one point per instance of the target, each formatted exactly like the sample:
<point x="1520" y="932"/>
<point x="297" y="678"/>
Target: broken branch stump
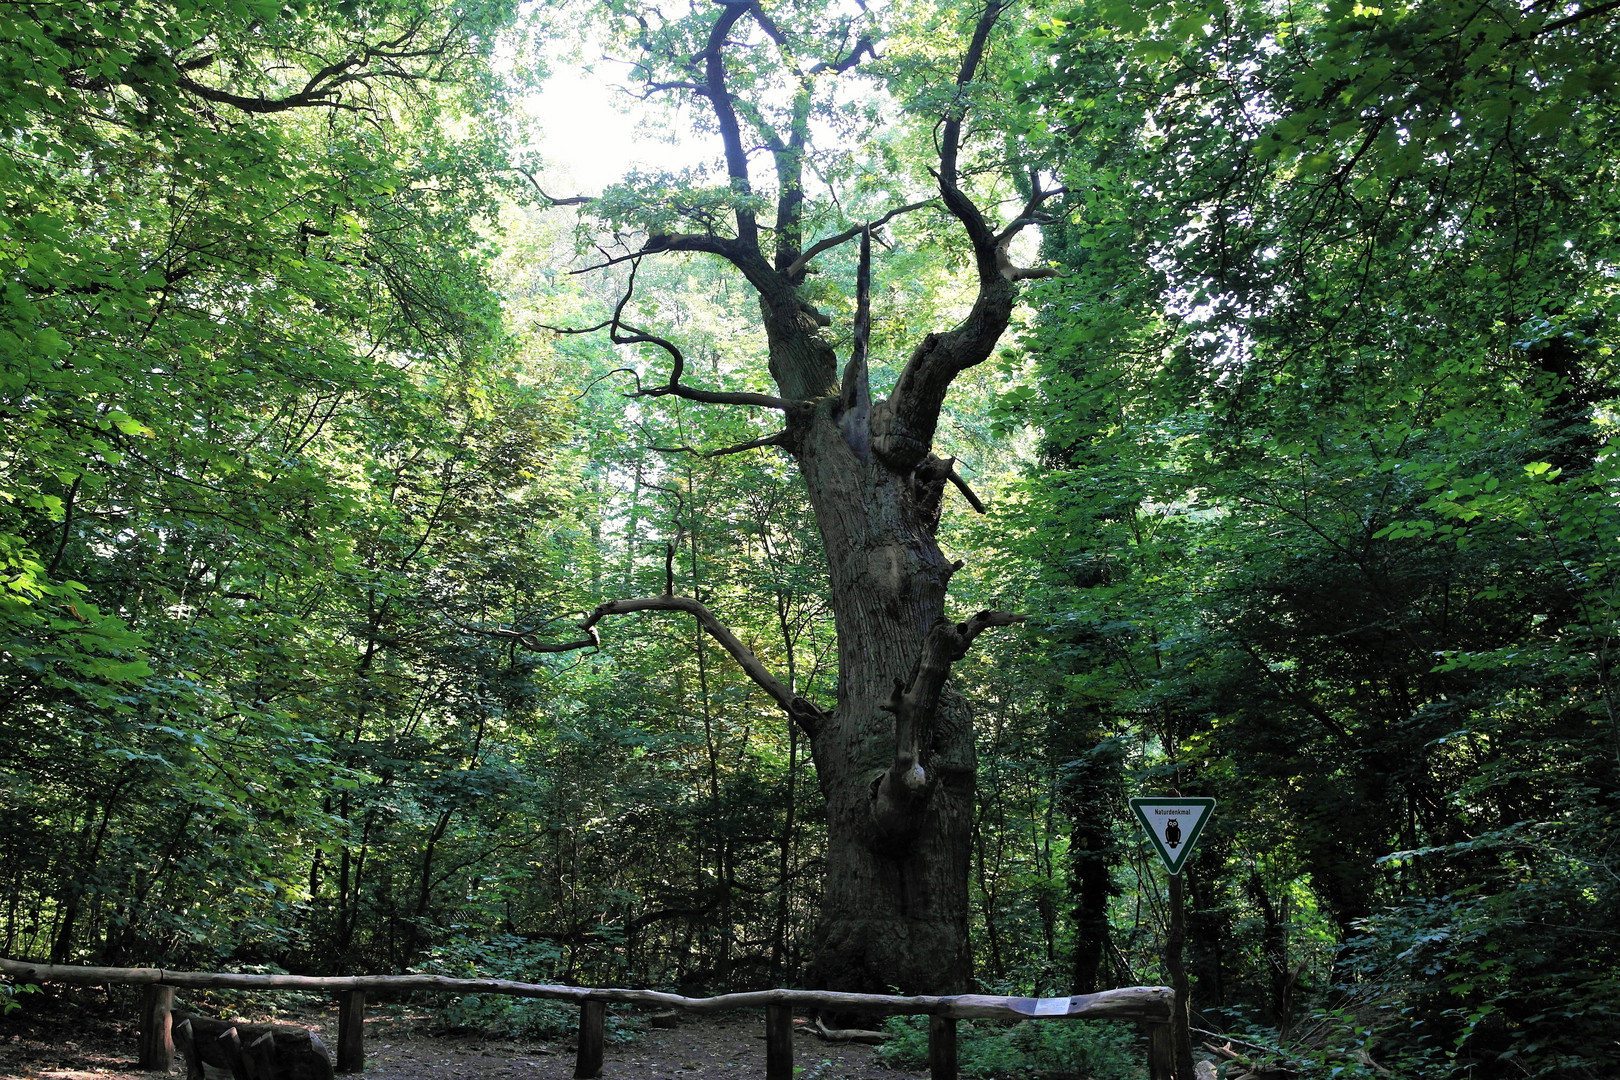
<point x="231" y="1044"/>
<point x="186" y="1038"/>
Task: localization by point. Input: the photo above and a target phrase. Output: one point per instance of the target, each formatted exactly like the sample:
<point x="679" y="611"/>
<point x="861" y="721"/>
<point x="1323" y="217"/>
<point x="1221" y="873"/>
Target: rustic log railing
<point x="1149" y="1005"/>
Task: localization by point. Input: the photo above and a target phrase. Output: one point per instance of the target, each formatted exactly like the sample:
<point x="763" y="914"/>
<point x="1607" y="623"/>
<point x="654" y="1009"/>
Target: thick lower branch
<point x="622" y="333"/>
<point x="715" y="397"/>
<point x="659" y="243"/>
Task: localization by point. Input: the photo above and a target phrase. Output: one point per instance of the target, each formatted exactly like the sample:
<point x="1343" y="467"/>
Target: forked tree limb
<point x="956" y="201"/>
<point x="324" y="88"/>
<point x="903" y="426"/>
<point x="863" y="47"/>
<point x="1031" y="213"/>
<point x="622" y="333"/>
<point x="692" y="393"/>
<point x="725" y="115"/>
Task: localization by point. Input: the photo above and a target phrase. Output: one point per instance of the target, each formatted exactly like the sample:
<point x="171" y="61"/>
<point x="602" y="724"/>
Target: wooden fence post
<point x="157" y="1039"/>
<point x="351" y="1049"/>
<point x="778" y="1042"/>
<point x="942" y="1047"/>
<point x="1161" y="1052"/>
<point x="592" y="1018"/>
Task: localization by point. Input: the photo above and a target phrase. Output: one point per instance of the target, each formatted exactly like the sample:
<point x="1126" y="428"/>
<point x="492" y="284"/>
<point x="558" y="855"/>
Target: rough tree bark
<point x="895" y="754"/>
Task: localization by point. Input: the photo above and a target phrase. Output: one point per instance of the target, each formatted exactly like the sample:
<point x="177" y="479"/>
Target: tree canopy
<point x="409" y="563"/>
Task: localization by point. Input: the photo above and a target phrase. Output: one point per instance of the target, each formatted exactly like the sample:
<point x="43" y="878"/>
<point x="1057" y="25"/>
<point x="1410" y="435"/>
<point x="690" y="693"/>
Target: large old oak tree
<point x="895" y="754"/>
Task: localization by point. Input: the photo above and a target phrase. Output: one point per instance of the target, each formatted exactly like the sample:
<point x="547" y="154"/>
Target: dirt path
<point x="727" y="1047"/>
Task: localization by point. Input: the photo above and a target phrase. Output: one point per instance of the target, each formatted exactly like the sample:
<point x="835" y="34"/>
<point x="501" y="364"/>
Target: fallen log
<point x="855" y="1035"/>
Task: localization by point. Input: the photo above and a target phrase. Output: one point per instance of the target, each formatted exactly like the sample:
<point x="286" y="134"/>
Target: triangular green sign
<point x="1173" y="825"/>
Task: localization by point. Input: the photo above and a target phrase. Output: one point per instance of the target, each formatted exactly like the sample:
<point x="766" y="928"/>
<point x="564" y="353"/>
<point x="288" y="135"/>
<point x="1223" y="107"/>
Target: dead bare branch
<point x="804" y="713"/>
<point x="967" y="492"/>
<point x="798" y="265"/>
<point x="570" y="200"/>
<point x="856" y="1035"/>
<point x="779" y="439"/>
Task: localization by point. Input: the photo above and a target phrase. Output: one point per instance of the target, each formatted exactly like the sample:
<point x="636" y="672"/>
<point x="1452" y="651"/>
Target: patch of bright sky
<point x="591" y="132"/>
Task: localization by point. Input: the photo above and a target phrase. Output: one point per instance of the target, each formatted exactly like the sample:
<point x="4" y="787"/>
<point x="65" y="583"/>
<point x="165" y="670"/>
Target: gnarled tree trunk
<point x="895" y="902"/>
<point x="895" y="754"/>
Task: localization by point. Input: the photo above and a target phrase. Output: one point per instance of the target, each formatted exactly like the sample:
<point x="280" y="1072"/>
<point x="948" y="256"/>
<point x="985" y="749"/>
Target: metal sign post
<point x="1173" y="826"/>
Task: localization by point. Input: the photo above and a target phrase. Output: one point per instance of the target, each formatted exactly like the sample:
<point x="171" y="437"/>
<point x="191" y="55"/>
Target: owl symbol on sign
<point x="1172" y="833"/>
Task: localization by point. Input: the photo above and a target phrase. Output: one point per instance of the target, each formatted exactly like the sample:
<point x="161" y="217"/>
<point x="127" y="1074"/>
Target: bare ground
<point x="66" y="1043"/>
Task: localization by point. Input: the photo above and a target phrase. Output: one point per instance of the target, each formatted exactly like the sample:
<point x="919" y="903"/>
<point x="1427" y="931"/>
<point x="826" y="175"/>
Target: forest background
<point x="1300" y="467"/>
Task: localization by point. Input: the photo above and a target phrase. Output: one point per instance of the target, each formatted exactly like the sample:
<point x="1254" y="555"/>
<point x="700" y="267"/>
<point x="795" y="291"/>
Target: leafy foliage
<point x="1328" y="417"/>
<point x="1102" y="1050"/>
<point x="1317" y="516"/>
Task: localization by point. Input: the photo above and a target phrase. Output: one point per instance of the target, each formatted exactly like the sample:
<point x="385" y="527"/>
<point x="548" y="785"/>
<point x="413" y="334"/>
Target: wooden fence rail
<point x="1150" y="1005"/>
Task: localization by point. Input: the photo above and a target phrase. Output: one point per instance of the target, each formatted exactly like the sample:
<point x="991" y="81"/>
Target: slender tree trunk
<point x="784" y="857"/>
<point x="1088" y="791"/>
<point x="1207" y="927"/>
<point x="62" y="947"/>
